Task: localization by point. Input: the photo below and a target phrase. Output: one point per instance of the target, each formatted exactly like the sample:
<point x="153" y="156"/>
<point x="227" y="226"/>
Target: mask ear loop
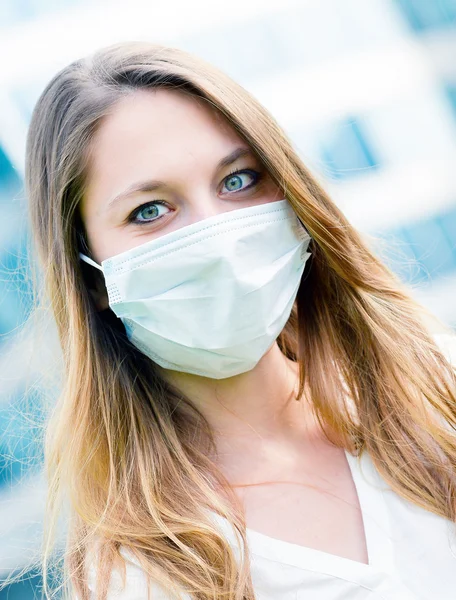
<point x="83" y="246"/>
<point x="89" y="261"/>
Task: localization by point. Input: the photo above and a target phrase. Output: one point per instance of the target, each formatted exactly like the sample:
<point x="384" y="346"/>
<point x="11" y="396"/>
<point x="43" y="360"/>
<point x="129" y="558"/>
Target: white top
<point x="411" y="554"/>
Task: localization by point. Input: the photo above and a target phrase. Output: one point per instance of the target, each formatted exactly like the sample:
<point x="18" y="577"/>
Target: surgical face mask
<point x="212" y="297"/>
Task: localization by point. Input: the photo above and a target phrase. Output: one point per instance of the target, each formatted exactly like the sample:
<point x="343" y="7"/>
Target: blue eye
<point x="234" y="182"/>
<point x="149" y="212"/>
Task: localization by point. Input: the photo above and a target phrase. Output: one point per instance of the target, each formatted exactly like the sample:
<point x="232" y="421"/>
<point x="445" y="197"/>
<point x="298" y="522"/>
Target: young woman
<point x="253" y="405"/>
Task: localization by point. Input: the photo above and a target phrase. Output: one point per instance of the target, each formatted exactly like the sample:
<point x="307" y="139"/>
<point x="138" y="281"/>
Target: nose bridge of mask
<point x="201" y="231"/>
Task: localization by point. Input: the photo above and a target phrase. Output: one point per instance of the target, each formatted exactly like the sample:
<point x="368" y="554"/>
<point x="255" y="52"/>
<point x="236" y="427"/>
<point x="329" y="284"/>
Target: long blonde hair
<point x="128" y="453"/>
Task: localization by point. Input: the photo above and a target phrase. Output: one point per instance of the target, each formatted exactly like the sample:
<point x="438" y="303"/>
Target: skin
<point x="262" y="434"/>
<point x="175" y="138"/>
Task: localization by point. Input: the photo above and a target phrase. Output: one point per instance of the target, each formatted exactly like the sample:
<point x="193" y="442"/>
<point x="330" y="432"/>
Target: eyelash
<point x="256" y="174"/>
<point x="132" y="217"/>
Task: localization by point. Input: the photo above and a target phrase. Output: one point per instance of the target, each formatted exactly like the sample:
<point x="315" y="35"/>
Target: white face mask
<point x="212" y="297"/>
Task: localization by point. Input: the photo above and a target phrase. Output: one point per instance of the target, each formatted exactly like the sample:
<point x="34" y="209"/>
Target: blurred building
<point x="365" y="90"/>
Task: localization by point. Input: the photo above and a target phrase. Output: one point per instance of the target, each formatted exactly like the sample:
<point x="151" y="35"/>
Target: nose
<point x="203" y="207"/>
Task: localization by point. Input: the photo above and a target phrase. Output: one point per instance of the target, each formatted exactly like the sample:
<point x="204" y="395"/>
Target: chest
<point x="310" y="501"/>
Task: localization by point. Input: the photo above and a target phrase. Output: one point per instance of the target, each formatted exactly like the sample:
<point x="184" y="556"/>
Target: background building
<point x="366" y="91"/>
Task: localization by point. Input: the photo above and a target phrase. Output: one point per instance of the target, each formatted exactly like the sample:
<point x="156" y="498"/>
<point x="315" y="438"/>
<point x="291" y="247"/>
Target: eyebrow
<point x="153" y="184"/>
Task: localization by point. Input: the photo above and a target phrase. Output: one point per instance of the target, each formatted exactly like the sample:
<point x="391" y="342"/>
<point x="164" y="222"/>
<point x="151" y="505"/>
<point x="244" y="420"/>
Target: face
<point x="160" y="161"/>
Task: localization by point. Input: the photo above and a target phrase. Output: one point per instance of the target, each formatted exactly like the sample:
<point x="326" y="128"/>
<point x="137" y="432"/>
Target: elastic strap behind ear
<point x="89" y="261"/>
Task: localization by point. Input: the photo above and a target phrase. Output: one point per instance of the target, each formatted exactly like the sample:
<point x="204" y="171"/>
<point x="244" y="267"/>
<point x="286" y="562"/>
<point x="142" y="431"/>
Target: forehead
<point x="158" y="120"/>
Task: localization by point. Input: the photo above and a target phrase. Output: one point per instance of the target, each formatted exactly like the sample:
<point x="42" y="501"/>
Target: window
<point x="346" y="150"/>
<point x="9" y="179"/>
<point x="425" y="250"/>
<point x="428" y="14"/>
<point x="447" y="222"/>
<point x="21" y="442"/>
<point x="450" y="92"/>
<point x="15" y="287"/>
<point x="431" y="248"/>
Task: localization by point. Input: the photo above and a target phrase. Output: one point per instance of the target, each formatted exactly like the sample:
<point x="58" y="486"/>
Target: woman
<point x="253" y="405"/>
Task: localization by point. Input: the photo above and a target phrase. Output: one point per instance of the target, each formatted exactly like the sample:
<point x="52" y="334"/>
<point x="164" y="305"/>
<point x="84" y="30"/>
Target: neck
<point x="253" y="407"/>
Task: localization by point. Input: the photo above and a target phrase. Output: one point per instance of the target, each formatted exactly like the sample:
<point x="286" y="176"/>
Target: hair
<point x="127" y="453"/>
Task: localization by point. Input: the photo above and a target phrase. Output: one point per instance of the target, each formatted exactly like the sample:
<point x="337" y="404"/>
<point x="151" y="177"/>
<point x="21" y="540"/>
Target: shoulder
<point x="133" y="587"/>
